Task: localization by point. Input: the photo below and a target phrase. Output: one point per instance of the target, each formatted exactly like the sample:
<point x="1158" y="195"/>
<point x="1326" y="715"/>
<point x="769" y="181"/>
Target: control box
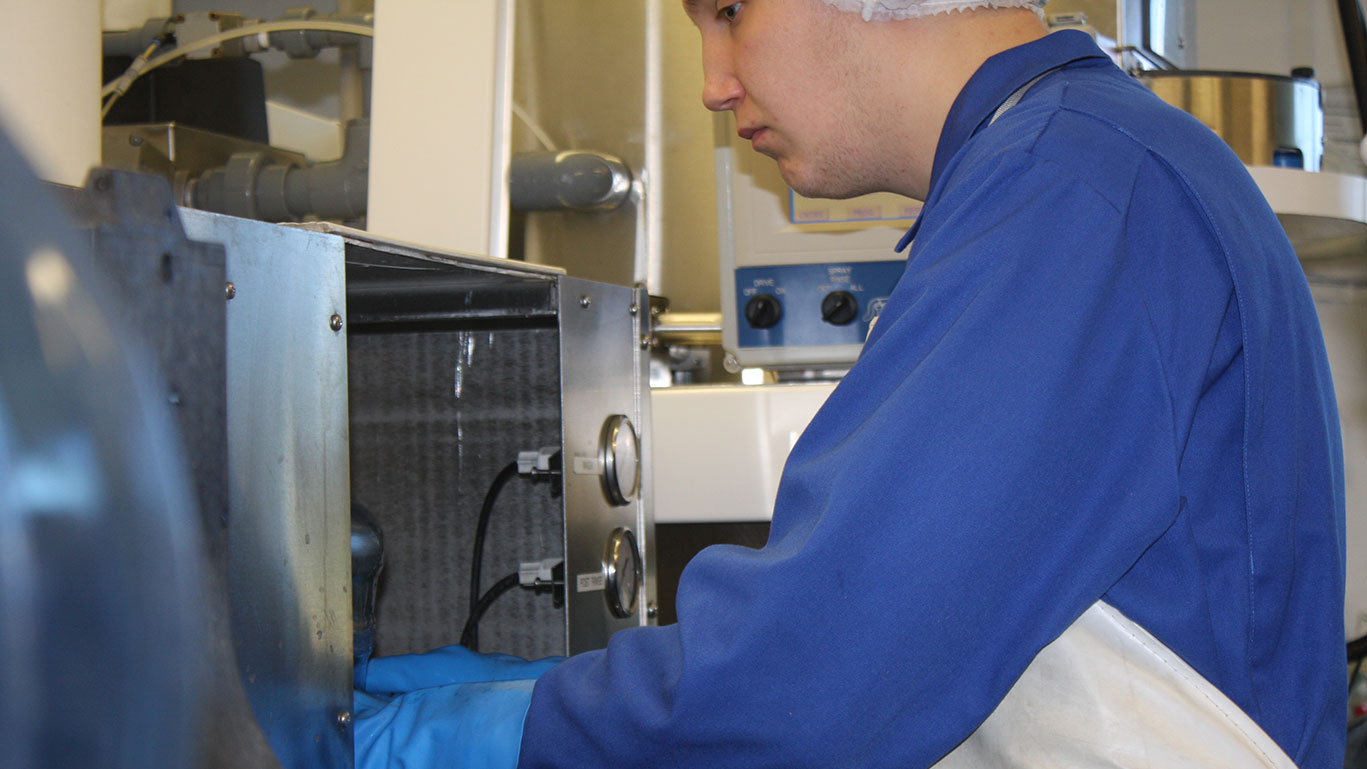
<point x="801" y="279"/>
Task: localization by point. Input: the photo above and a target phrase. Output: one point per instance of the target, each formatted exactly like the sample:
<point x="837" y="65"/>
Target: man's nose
<point x="720" y="89"/>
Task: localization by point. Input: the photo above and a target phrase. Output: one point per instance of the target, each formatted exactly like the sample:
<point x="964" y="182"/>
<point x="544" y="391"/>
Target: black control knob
<point x="763" y="311"/>
<point x="839" y="308"/>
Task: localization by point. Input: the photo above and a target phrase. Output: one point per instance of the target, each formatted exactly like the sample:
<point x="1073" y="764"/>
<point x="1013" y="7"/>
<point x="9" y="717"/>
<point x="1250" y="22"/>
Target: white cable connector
<point x="537" y="462"/>
<point x="538" y="573"/>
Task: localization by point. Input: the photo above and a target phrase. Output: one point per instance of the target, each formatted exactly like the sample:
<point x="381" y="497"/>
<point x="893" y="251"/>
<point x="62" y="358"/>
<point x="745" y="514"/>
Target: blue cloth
<point x="453" y="664"/>
<point x="1101" y="377"/>
<point x="448" y="707"/>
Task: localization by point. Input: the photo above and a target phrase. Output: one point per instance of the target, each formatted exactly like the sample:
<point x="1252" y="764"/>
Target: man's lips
<point x="748" y="133"/>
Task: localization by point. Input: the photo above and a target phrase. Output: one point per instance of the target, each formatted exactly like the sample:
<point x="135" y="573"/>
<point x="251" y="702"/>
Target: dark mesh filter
<point x="434" y="417"/>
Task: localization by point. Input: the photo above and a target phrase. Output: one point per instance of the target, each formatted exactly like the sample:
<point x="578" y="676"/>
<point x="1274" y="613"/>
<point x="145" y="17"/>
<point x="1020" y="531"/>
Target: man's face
<point x="795" y="74"/>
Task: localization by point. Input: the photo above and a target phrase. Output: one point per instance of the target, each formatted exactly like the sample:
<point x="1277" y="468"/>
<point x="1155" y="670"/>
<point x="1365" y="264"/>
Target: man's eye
<point x="730" y="12"/>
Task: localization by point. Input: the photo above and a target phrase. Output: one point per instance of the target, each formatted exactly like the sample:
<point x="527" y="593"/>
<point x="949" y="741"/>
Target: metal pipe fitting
<point x="284" y="192"/>
<point x="571" y="180"/>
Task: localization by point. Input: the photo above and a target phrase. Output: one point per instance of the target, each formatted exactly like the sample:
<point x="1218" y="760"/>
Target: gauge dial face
<point x="620" y="455"/>
<point x="622" y="564"/>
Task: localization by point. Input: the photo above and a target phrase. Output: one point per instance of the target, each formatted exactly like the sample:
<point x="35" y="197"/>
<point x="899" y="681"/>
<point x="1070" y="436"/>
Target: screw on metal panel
<point x="344" y="719"/>
<point x="136" y="141"/>
<point x="731" y="363"/>
<point x="652" y="611"/>
<point x="230" y="290"/>
<point x="645" y="342"/>
<point x="634" y="308"/>
<point x="584" y="302"/>
<point x="335" y="323"/>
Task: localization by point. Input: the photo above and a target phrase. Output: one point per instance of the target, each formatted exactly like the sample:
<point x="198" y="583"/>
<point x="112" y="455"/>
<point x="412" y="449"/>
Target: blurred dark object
<point x="367" y="559"/>
<point x="226" y="96"/>
<point x="100" y="548"/>
<point x="168" y="293"/>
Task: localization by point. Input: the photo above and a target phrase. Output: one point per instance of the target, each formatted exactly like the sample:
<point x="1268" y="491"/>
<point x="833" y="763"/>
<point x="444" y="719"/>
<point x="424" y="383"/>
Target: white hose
<point x="263" y="29"/>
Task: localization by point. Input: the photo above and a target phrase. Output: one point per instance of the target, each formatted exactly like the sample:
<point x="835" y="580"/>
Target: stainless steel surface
<point x="288" y="499"/>
<point x="458" y="363"/>
<point x="1257" y="115"/>
<point x="698" y="328"/>
<point x="620" y="458"/>
<point x="594" y="341"/>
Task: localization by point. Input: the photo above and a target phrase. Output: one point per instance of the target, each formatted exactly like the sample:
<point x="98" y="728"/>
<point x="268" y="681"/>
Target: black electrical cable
<point x="477" y="558"/>
<point x="469" y="637"/>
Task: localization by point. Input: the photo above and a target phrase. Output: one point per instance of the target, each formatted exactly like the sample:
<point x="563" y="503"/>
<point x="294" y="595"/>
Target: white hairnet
<point x="883" y="10"/>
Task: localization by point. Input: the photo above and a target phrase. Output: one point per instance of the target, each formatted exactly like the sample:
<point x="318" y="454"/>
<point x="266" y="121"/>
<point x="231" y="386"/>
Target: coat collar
<point x="994" y="82"/>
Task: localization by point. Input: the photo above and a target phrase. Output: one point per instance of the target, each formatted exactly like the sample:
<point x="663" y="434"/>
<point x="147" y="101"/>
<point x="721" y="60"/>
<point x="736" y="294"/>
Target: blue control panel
<point x="803" y="305"/>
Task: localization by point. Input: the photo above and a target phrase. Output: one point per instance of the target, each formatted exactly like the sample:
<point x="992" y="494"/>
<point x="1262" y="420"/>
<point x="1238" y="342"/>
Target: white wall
<point x="50" y="92"/>
<point x="1272" y="36"/>
<point x="438" y="114"/>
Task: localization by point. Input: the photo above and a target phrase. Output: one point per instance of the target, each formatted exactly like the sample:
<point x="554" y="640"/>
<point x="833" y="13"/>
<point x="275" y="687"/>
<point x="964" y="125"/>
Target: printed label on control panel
<point x="587" y="583"/>
<point x="874" y="208"/>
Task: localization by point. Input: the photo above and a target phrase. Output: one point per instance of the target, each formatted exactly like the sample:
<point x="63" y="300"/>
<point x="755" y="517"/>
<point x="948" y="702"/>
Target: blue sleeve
<point x="1004" y="450"/>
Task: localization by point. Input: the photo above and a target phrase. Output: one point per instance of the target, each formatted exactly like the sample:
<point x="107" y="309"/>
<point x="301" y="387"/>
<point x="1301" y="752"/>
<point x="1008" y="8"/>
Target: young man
<point x="1080" y="502"/>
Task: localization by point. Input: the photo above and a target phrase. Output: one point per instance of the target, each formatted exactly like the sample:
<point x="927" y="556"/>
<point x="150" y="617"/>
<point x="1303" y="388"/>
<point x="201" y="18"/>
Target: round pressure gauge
<point x="619" y="455"/>
<point x="622" y="565"/>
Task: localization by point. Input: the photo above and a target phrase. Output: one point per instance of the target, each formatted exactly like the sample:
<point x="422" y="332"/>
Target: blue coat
<point x="1101" y="379"/>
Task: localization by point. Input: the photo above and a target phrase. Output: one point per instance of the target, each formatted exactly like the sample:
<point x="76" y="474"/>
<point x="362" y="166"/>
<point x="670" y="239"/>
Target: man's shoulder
<point x="1101" y="129"/>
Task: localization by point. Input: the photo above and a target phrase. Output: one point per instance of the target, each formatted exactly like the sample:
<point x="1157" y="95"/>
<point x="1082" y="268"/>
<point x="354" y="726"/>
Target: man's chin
<point x="801" y="183"/>
<point x="809" y="187"/>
